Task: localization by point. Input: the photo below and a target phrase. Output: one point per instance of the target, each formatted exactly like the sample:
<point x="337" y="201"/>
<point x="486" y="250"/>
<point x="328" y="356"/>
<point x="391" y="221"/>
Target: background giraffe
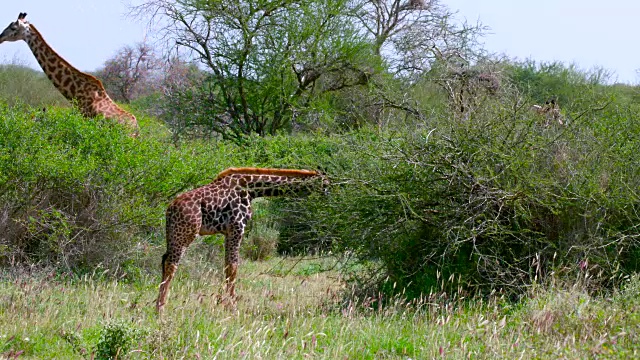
<point x="224" y="207"/>
<point x="83" y="89"/>
<point x="550" y="110"/>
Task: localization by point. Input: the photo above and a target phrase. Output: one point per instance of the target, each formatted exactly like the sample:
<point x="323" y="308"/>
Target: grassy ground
<point x="290" y="308"/>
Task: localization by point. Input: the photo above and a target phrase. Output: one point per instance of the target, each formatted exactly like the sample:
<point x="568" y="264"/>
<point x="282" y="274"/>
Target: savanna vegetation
<point x="458" y="223"/>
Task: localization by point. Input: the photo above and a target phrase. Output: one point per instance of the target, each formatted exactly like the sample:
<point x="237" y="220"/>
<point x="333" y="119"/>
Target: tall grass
<point x="288" y="311"/>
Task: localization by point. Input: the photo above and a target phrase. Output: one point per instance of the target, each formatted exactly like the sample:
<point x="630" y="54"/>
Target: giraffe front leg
<point x="230" y="274"/>
<point x="232" y="258"/>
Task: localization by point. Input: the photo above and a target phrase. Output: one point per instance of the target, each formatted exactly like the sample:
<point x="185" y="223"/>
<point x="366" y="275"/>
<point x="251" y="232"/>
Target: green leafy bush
<point x="495" y="202"/>
<point x="75" y="192"/>
<point x="20" y="84"/>
<point x="573" y="88"/>
<point x="116" y="339"/>
<point x="262" y="236"/>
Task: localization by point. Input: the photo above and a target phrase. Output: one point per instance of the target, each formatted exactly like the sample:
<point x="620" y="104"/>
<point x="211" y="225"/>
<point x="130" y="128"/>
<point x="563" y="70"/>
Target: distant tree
<point x="180" y="83"/>
<point x="467" y="83"/>
<point x="268" y="61"/>
<point x="178" y="73"/>
<point x="410" y="37"/>
<point x="130" y="72"/>
<point x="263" y="59"/>
<point x="411" y="34"/>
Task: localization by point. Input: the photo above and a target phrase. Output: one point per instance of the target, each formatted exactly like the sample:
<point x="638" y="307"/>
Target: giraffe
<point x="550" y="110"/>
<point x="224" y="207"/>
<point x="83" y="89"/>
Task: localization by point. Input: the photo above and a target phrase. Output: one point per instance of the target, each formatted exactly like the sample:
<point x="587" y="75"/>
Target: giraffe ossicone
<point x="76" y="86"/>
<point x="550" y="110"/>
<point x="224" y="207"/>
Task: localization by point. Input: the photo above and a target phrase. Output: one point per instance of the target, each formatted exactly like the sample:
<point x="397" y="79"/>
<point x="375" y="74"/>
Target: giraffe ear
<point x="22" y="15"/>
<point x="321" y="170"/>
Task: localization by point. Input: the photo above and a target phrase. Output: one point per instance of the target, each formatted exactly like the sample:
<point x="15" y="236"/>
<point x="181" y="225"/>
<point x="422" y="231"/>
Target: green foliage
<point x="22" y="85"/>
<point x="496" y="201"/>
<point x="80" y="192"/>
<point x="573" y="88"/>
<point x="77" y="190"/>
<point x="261" y="238"/>
<point x="116" y="339"/>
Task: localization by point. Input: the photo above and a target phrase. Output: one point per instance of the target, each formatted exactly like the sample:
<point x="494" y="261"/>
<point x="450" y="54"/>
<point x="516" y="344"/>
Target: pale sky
<point x="587" y="33"/>
<point x="84" y="32"/>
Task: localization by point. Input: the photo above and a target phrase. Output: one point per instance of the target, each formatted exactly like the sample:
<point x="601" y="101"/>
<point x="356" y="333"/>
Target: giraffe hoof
<point x="230" y="305"/>
<point x="226" y="300"/>
<point x="217" y="298"/>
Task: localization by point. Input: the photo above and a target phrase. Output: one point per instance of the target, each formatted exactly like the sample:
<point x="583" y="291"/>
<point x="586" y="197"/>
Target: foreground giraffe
<point x="84" y="89"/>
<point x="224" y="207"/>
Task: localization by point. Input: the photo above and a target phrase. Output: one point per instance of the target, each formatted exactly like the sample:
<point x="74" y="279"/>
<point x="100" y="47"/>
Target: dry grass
<point x="291" y="308"/>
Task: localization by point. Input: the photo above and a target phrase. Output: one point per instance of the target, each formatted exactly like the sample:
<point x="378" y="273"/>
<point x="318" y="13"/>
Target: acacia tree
<point x="178" y="73"/>
<point x="129" y="73"/>
<point x="263" y="58"/>
<point x="417" y="39"/>
<point x="267" y="60"/>
<point x="411" y="34"/>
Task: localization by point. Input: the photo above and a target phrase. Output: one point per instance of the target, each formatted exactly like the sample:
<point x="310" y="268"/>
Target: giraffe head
<point x="320" y="184"/>
<point x="17" y="30"/>
<point x="325" y="183"/>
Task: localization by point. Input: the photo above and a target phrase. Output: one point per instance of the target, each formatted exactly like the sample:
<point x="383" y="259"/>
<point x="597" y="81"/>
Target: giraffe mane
<point x="65" y="62"/>
<point x="266" y="171"/>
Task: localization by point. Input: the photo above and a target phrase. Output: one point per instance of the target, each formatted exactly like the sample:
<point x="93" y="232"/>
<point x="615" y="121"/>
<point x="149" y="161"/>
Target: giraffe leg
<point x="177" y="243"/>
<point x="232" y="258"/>
<point x="170" y="262"/>
<point x="168" y="270"/>
<point x="230" y="274"/>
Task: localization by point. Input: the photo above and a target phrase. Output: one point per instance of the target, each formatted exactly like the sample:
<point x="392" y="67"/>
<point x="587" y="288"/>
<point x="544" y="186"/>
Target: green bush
<point x="262" y="236"/>
<point x="116" y="339"/>
<point x="76" y="192"/>
<point x="573" y="88"/>
<point x="496" y="202"/>
<point x="20" y="84"/>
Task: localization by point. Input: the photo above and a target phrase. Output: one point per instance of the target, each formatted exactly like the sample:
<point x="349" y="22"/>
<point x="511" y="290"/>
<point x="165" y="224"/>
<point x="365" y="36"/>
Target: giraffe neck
<point x="84" y="89"/>
<point x="261" y="185"/>
<point x="57" y="69"/>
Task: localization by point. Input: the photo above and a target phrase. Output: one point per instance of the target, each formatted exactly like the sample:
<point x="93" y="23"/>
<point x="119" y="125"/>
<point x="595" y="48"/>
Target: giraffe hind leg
<point x="170" y="260"/>
<point x="168" y="271"/>
<point x="183" y="225"/>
